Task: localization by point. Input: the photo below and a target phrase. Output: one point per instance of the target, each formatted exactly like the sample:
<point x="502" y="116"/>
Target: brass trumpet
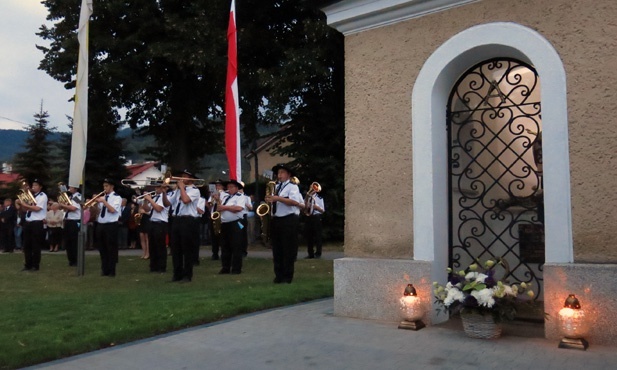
<point x="92" y="201"/>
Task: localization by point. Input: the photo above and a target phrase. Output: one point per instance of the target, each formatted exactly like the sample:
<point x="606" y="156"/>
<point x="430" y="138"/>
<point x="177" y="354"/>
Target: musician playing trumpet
<point x="71" y="224"/>
<point x="313" y="209"/>
<point x="106" y="233"/>
<point x="286" y="205"/>
<point x="157" y="232"/>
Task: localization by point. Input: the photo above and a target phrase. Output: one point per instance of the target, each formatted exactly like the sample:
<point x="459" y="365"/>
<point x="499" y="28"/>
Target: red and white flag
<point x="232" y="109"/>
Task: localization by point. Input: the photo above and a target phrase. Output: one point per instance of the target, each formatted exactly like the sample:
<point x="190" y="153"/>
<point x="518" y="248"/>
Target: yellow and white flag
<point x="80" y="114"/>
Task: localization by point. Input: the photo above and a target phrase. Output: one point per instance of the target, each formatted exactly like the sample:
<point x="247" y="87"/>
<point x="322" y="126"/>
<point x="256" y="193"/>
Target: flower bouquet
<point x="476" y="290"/>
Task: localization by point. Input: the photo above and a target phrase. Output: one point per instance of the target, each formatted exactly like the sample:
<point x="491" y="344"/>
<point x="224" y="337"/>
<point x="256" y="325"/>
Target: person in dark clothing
<point x="8" y="220"/>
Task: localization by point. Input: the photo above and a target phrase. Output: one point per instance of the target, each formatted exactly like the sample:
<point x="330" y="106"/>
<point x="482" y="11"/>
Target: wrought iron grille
<point x="495" y="170"/>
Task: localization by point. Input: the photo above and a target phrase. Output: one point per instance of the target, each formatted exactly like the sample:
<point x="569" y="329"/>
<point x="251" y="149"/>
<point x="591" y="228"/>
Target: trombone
<point x="173" y="179"/>
<point x="92" y="201"/>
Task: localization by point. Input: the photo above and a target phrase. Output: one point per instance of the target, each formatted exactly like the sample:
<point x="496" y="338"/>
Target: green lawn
<point x="53" y="313"/>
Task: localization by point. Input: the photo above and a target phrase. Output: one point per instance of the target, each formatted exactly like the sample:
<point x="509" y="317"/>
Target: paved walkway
<point x="308" y="336"/>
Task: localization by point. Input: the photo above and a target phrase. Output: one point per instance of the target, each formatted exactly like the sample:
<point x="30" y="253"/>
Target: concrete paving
<point x="308" y="336"/>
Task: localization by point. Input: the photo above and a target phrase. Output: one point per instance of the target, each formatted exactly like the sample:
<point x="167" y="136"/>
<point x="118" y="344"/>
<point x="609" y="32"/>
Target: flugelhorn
<point x="314" y="188"/>
<point x="92" y="201"/>
<point x="63" y="198"/>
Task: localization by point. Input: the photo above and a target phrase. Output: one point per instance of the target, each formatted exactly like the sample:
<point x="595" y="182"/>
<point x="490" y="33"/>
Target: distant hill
<point x="12" y="141"/>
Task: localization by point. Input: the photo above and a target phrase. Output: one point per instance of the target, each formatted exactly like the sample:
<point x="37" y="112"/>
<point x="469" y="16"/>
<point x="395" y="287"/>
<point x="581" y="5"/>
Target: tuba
<point x="63" y="198"/>
<point x="264" y="211"/>
<point x="25" y="195"/>
<point x="315" y="188"/>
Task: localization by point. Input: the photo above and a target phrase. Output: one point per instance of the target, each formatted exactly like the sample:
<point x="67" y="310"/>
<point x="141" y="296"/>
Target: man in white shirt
<point x="184" y="227"/>
<point x="157" y="233"/>
<point x="313" y="225"/>
<point x="232" y="229"/>
<point x="106" y="234"/>
<point x="34" y="229"/>
<point x="287" y="203"/>
<point x="72" y="217"/>
<point x="213" y="202"/>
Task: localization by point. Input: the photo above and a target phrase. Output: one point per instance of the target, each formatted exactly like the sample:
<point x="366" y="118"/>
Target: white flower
<point x="508" y="290"/>
<point x="471" y="276"/>
<point x="484" y="297"/>
<point x="453" y="295"/>
<point x="480" y="278"/>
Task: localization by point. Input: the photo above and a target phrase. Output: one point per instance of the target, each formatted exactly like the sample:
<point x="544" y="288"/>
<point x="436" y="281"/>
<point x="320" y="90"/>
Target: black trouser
<point x="214" y="238"/>
<point x="231" y="247"/>
<point x="183" y="246"/>
<point x="313" y="235"/>
<point x="156" y="240"/>
<point x="71" y="237"/>
<point x="7" y="237"/>
<point x="284" y="246"/>
<point x="33" y="241"/>
<point x="245" y="235"/>
<point x="106" y="239"/>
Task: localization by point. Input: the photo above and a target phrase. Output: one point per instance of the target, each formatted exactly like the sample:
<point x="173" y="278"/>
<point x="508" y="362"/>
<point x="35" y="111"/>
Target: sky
<point x="22" y="85"/>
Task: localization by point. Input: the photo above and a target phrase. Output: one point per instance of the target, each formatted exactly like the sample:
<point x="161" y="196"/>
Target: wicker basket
<point x="480" y="326"/>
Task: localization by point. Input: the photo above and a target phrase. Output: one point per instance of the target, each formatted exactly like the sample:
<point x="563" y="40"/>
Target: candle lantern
<point x="572" y="324"/>
<point x="412" y="309"/>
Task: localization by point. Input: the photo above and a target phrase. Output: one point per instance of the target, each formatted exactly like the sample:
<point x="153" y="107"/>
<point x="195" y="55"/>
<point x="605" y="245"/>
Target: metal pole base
<point x="411" y="325"/>
<point x="574" y="343"/>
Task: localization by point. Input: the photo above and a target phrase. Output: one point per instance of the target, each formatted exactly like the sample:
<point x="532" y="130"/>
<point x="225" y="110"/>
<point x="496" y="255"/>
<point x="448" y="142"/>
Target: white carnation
<point x="484" y="297"/>
<point x="480" y="278"/>
<point x="453" y="295"/>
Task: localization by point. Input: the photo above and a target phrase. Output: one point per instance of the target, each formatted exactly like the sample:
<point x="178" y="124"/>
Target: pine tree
<point x="35" y="161"/>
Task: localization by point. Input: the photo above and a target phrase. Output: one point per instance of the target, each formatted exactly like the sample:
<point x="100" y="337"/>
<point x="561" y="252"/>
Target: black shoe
<point x="277" y="281"/>
<point x="113" y="274"/>
<point x="72" y="264"/>
<point x="215" y="257"/>
<point x="223" y="272"/>
<point x="309" y="257"/>
<point x="34" y="269"/>
<point x="186" y="280"/>
<point x="317" y="255"/>
<point x="25" y="269"/>
<point x="236" y="272"/>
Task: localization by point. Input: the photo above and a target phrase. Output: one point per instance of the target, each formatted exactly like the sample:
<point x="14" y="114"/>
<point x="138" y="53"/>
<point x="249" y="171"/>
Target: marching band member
<point x="201" y="210"/>
<point x="71" y="224"/>
<point x="184" y="227"/>
<point x="106" y="232"/>
<point x="34" y="229"/>
<point x="157" y="233"/>
<point x="213" y="202"/>
<point x="287" y="203"/>
<point x="248" y="206"/>
<point x="232" y="229"/>
<point x="313" y="210"/>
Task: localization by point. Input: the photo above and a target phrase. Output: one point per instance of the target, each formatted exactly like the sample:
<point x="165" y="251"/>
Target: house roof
<point x="136" y="169"/>
<point x="263" y="144"/>
<point x="8" y="177"/>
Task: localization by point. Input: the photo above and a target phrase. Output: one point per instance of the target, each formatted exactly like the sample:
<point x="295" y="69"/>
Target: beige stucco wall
<point x="381" y="68"/>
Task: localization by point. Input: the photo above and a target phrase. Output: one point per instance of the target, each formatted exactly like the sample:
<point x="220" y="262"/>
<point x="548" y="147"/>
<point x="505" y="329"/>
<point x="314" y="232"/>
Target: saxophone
<point x="216" y="217"/>
<point x="264" y="211"/>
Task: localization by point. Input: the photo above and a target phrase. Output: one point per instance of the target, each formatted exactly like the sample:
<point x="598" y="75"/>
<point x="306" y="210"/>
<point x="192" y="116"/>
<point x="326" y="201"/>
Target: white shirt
<point x="291" y="191"/>
<point x="188" y="209"/>
<point x="316" y="200"/>
<point x="116" y="202"/>
<point x="234" y="200"/>
<point x="201" y="204"/>
<point x="75" y="202"/>
<point x="41" y="201"/>
<point x="162" y="216"/>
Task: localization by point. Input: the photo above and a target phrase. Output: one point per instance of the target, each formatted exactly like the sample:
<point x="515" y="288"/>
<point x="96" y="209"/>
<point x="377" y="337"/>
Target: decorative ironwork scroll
<point x="496" y="195"/>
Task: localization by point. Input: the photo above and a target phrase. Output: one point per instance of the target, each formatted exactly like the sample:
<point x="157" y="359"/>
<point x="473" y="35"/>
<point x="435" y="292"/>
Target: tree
<point x="35" y="161"/>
